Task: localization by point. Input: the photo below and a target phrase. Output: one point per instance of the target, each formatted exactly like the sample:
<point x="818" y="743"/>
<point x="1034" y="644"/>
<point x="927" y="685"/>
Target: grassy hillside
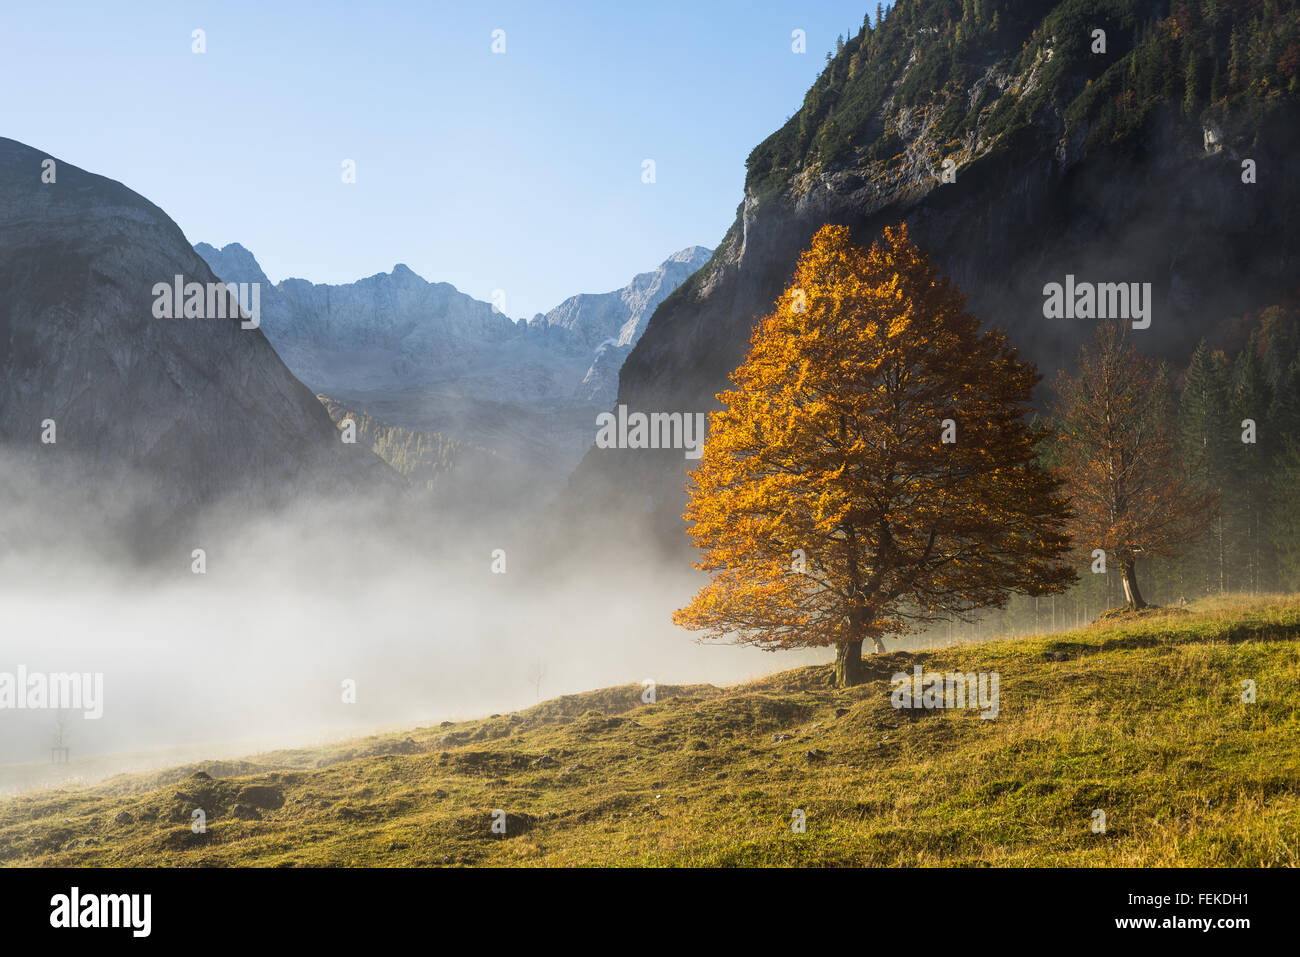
<point x="1140" y="717"/>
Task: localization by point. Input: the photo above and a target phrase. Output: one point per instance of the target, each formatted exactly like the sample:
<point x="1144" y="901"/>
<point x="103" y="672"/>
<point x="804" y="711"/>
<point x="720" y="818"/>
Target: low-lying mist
<point x="255" y="653"/>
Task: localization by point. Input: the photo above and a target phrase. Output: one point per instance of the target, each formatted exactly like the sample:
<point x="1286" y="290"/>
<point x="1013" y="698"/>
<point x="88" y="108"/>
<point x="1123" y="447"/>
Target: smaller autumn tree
<point x="1118" y="452"/>
<point x="873" y="470"/>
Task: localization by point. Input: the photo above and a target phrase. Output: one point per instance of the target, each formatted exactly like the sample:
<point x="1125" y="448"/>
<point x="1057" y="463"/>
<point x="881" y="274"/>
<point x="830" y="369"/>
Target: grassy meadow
<point x="1138" y="716"/>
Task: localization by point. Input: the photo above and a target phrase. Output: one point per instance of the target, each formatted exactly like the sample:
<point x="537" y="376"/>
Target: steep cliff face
<point x="171" y="413"/>
<point x="1060" y="161"/>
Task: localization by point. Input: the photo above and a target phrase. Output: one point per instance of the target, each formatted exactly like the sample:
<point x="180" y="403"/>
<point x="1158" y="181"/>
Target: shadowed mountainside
<point x="158" y="416"/>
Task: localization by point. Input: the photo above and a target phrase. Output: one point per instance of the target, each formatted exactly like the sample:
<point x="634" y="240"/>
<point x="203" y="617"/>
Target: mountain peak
<point x="406" y="273"/>
<point x="232" y="263"/>
<point x="695" y="256"/>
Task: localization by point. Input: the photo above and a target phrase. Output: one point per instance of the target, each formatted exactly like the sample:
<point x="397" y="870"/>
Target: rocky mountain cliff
<point x="423" y="356"/>
<point x="1113" y="161"/>
<point x="395" y="330"/>
<point x="167" y="414"/>
<point x="610" y="324"/>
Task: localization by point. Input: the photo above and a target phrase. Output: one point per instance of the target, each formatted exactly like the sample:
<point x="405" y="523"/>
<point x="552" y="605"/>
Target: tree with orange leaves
<point x="1118" y="453"/>
<point x="873" y="470"/>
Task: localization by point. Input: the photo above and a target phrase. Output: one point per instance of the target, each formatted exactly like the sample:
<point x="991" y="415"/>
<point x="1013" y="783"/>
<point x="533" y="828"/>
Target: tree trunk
<point x="848" y="664"/>
<point x="1131" y="594"/>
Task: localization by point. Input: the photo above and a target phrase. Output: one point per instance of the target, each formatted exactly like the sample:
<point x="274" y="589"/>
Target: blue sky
<point x="519" y="171"/>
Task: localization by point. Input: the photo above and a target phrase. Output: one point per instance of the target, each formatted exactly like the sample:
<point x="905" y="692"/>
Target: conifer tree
<point x="1205" y="431"/>
<point x="1252" y="443"/>
<point x="1284" y="517"/>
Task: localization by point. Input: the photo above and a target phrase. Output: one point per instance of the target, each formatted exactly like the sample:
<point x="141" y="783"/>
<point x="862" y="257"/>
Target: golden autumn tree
<point x="873" y="469"/>
<point x="1118" y="454"/>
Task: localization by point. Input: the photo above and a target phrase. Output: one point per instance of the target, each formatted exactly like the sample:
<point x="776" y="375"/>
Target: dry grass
<point x="1144" y="721"/>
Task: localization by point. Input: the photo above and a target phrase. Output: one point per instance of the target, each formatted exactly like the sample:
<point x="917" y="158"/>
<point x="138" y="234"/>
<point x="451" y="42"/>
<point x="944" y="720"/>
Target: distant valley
<point x="513" y="401"/>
